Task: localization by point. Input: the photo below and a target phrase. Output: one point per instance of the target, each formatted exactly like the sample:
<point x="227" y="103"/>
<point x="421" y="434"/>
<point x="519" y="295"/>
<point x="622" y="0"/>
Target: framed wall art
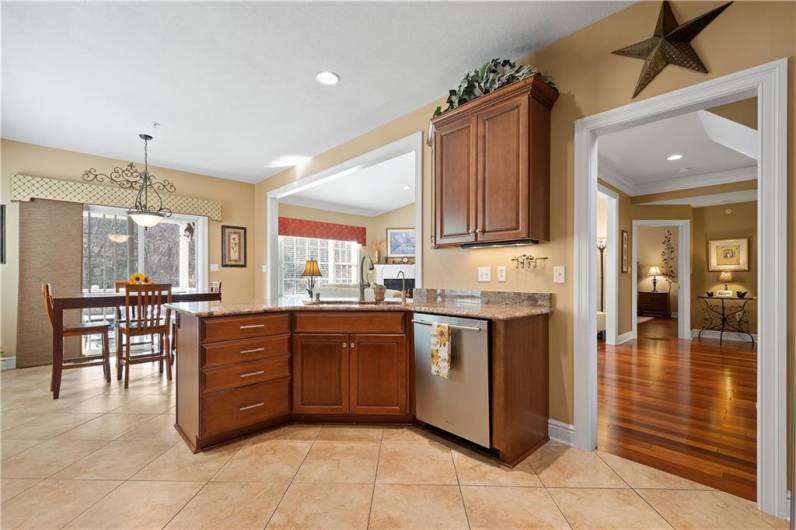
<point x="233" y="246"/>
<point x="728" y="254"/>
<point x="401" y="242"/>
<point x="625" y="252"/>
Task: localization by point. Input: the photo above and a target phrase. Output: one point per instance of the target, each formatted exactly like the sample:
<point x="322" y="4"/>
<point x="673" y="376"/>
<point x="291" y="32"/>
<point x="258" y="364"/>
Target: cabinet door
<point x="378" y="374"/>
<point x="454" y="182"/>
<point x="320" y="374"/>
<point x="503" y="192"/>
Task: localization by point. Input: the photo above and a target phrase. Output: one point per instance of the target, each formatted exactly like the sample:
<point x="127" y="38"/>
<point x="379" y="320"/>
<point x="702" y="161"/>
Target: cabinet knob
<point x="344" y="345"/>
<point x="477" y="230"/>
<point x="353" y="345"/>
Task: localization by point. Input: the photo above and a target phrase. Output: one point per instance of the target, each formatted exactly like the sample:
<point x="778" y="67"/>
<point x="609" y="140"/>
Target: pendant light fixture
<point x="148" y="209"/>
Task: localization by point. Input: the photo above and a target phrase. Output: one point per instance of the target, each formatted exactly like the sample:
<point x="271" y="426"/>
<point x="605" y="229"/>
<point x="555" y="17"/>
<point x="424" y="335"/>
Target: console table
<point x="726" y="313"/>
<point x="654" y="304"/>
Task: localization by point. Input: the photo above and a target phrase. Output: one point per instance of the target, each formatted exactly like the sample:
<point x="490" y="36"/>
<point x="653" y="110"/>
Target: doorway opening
<point x="767" y="84"/>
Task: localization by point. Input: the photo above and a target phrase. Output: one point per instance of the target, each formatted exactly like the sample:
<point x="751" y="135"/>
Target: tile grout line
<point x="459" y="484"/>
<point x="119" y="485"/>
<point x="375" y="476"/>
<point x="282" y="498"/>
<point x="552" y="498"/>
<point x="633" y="489"/>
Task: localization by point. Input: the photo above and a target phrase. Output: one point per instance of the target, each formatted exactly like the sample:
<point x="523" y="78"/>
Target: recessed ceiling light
<point x="406" y="188"/>
<point x="327" y="78"/>
<point x="684" y="169"/>
<point x="675" y="156"/>
<point x="288" y="161"/>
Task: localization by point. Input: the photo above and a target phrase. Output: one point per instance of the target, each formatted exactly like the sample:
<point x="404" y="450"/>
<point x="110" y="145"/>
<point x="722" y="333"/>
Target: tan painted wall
<point x="743" y="112"/>
<point x="650" y="245"/>
<point x="403" y="217"/>
<point x="695" y="192"/>
<point x="17" y="157"/>
<point x="711" y="222"/>
<point x="591" y="80"/>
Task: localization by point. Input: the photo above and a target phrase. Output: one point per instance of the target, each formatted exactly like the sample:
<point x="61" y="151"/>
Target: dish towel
<point x="440" y="350"/>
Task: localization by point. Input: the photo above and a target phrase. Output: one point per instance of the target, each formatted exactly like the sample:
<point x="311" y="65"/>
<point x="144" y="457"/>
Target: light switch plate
<point x="501" y="273"/>
<point x="559" y="274"/>
<point x="484" y="274"/>
<point x="214" y="267"/>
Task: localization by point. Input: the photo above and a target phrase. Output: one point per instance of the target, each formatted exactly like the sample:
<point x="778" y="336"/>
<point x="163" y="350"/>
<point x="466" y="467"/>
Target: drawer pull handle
<point x="253" y="350"/>
<point x="353" y="345"/>
<point x="252" y="374"/>
<point x="344" y="345"/>
<point x="248" y="407"/>
<point x="252" y="326"/>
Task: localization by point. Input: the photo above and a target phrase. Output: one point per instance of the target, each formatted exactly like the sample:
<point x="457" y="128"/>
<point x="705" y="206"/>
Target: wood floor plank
<point x="685" y="407"/>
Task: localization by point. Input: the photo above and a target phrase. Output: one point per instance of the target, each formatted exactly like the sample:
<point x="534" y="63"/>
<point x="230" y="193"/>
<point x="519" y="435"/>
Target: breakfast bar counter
<point x="245" y="367"/>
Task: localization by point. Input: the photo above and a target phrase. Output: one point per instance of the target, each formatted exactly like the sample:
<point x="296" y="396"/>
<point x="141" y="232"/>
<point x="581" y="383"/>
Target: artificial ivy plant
<point x="492" y="75"/>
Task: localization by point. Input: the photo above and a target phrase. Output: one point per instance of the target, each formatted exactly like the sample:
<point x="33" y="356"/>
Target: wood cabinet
<point x="654" y="304"/>
<point x="320" y="373"/>
<point x="378" y="372"/>
<point x="492" y="167"/>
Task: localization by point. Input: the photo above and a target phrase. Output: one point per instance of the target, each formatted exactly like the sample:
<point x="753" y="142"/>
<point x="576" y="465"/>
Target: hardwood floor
<point x="686" y="407"/>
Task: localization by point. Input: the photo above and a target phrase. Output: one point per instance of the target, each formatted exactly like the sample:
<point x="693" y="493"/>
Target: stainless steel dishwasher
<point x="460" y="404"/>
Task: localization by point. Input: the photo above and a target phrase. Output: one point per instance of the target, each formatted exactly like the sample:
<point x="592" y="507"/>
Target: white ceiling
<point x="371" y="191"/>
<point x="232" y="83"/>
<point x="715" y="150"/>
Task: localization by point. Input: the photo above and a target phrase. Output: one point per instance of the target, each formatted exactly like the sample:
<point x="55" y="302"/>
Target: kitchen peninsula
<point x="243" y="368"/>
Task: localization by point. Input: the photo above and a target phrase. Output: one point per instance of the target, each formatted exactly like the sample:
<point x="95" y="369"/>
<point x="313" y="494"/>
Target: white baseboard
<point x="728" y="335"/>
<point x="624" y="337"/>
<point x="8" y="363"/>
<point x="559" y="431"/>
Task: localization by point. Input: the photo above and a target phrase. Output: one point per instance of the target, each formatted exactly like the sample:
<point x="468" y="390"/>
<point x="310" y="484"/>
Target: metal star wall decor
<point x="670" y="44"/>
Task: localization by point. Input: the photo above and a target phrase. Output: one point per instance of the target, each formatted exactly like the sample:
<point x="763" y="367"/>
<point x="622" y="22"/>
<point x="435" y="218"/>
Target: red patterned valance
<point x="304" y="228"/>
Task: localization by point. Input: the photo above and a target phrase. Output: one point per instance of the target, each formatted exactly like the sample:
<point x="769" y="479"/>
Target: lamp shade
<point x="654" y="271"/>
<point x="311" y="268"/>
<point x="725" y="276"/>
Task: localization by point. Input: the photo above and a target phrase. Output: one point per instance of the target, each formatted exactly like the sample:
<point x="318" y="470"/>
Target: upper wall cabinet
<point x="492" y="167"/>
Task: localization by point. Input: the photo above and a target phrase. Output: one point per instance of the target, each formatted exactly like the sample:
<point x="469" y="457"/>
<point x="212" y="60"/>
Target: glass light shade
<point x="145" y="219"/>
<point x="311" y="268"/>
<point x="119" y="238"/>
<point x="602" y="243"/>
<point x="654" y="271"/>
<point x="725" y="276"/>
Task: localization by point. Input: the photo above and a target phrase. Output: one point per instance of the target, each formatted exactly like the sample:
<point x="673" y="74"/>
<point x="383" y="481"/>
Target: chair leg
<point x="127" y="363"/>
<point x="106" y="356"/>
<point x="166" y="354"/>
<point x="160" y="351"/>
<point x="119" y="338"/>
<point x="55" y="385"/>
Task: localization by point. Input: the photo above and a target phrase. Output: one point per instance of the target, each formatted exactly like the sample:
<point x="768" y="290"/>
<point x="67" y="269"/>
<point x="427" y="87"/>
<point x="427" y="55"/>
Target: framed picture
<point x="625" y="252"/>
<point x="728" y="254"/>
<point x="2" y="233"/>
<point x="401" y="242"/>
<point x="233" y="246"/>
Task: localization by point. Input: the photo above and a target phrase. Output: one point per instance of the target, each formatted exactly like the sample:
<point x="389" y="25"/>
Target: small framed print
<point x="625" y="252"/>
<point x="728" y="254"/>
<point x="401" y="243"/>
<point x="233" y="246"/>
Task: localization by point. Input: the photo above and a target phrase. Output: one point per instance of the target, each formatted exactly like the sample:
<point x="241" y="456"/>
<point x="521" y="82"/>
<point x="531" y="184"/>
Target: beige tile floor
<point x="103" y="457"/>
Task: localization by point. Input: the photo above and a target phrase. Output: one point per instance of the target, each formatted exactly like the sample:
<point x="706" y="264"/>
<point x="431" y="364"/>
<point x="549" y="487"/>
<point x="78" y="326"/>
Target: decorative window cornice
<point x="27" y="187"/>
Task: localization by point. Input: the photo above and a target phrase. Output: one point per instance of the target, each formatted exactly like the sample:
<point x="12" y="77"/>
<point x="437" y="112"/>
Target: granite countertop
<point x="451" y="305"/>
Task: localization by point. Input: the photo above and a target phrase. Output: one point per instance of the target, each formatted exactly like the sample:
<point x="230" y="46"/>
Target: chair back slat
<point x="143" y="305"/>
<point x="46" y="291"/>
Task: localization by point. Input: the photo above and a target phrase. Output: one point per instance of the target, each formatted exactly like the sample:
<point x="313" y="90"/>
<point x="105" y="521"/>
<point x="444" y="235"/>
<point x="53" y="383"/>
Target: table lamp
<point x="311" y="271"/>
<point x="726" y="277"/>
<point x="654" y="271"/>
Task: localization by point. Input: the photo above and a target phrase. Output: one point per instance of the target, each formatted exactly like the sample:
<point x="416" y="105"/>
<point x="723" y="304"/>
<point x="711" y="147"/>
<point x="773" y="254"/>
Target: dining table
<point x="87" y="300"/>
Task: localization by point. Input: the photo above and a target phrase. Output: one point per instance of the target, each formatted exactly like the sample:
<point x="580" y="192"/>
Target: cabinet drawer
<point x="244" y="327"/>
<point x="240" y="374"/>
<point x="349" y="322"/>
<point x="229" y="410"/>
<point x="221" y="353"/>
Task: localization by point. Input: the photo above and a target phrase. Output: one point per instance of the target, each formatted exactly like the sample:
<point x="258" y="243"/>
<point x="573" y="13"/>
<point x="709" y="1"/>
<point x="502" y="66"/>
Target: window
<point x="114" y="247"/>
<point x="336" y="259"/>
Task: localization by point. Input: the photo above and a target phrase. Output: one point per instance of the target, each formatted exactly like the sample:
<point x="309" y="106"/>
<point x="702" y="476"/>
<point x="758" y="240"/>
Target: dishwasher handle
<point x="452" y="326"/>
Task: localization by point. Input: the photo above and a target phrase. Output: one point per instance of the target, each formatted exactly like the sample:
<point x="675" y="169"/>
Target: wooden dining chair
<point x="144" y="314"/>
<point x="99" y="327"/>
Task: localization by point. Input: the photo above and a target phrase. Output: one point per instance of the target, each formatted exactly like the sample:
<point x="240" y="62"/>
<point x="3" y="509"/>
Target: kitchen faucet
<point x="403" y="286"/>
<point x="362" y="276"/>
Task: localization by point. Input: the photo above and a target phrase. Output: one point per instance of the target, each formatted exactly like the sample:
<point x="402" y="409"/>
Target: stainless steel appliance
<point x="460" y="404"/>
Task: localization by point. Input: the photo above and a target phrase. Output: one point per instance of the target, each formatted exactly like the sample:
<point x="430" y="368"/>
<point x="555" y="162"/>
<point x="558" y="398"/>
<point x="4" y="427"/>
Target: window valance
<point x="289" y="226"/>
<point x="27" y="187"/>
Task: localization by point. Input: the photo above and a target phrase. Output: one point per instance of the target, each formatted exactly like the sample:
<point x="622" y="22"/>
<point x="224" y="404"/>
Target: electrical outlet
<point x="559" y="274"/>
<point x="484" y="274"/>
<point x="501" y="273"/>
<point x="214" y="267"/>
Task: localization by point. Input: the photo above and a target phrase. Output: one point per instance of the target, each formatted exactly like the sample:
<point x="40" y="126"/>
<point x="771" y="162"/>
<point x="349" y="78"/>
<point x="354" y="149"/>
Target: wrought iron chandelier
<point x="148" y="209"/>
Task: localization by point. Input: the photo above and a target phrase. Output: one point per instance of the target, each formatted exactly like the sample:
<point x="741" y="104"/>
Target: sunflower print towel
<point x="440" y="350"/>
